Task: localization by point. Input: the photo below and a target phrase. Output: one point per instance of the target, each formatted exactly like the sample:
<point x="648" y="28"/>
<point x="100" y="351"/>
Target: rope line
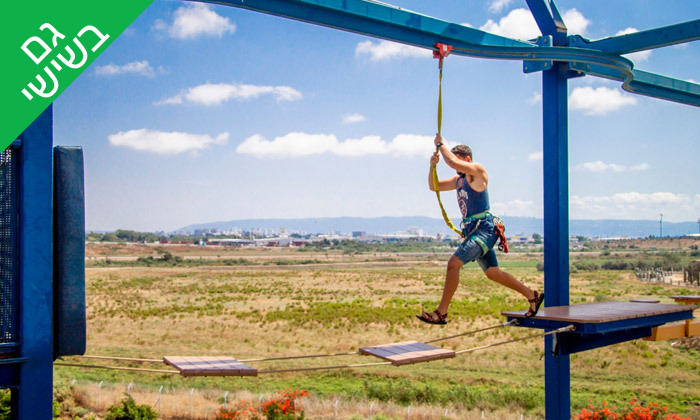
<point x="310" y="356"/>
<point x="347" y="366"/>
<point x="505" y="324"/>
<point x="124" y="359"/>
<point x="350" y="353"/>
<point x="569" y="328"/>
<point x="117" y="368"/>
<point x="357" y="365"/>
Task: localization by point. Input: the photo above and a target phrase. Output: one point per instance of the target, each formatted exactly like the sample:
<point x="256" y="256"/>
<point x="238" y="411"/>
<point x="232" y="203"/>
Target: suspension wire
<point x="124" y="359"/>
<point x="505" y="324"/>
<point x="563" y="329"/>
<point x="358" y="365"/>
<point x="310" y="356"/>
<point x="117" y="368"/>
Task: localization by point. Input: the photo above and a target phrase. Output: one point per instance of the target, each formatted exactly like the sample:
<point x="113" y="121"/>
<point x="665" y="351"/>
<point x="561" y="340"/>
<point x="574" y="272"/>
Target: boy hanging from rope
<point x="478" y="231"/>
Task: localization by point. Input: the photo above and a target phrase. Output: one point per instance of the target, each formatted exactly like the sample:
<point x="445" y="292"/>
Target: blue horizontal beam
<point x="655" y="85"/>
<point x="569" y="343"/>
<point x="374" y="19"/>
<point x="400" y="25"/>
<point x="643" y="40"/>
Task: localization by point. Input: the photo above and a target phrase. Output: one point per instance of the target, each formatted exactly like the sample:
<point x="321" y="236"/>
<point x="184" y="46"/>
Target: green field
<point x="286" y="302"/>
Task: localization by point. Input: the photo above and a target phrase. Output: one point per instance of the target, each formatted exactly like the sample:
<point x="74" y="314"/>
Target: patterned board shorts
<point x="473" y="247"/>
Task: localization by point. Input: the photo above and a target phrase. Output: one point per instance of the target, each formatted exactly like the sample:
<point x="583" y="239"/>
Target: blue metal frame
<point x="643" y="40"/>
<point x="400" y="25"/>
<point x="33" y="397"/>
<point x="568" y="343"/>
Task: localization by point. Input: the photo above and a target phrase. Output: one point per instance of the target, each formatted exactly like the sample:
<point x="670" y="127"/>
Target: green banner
<point x="47" y="44"/>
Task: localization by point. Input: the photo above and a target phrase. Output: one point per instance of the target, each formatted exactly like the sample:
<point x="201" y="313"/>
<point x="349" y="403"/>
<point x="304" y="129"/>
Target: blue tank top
<point x="471" y="202"/>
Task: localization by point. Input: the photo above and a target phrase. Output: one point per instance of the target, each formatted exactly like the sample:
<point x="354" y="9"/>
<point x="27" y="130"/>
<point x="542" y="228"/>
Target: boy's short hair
<point x="462" y="150"/>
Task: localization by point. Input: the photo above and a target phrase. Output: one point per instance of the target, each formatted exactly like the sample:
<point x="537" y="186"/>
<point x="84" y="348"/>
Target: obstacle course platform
<point x="407" y="352"/>
<point x="209" y="366"/>
<point x="601" y="324"/>
<point x="680" y="329"/>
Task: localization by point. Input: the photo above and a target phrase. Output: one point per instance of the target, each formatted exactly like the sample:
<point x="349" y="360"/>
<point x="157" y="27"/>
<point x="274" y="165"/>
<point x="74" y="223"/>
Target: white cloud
<point x="215" y="93"/>
<point x="497" y="6"/>
<point x="599" y="101"/>
<point x="534" y="157"/>
<point x="515" y="207"/>
<point x="601" y="167"/>
<point x="536" y="98"/>
<point x="640" y="167"/>
<point x="353" y="118"/>
<point x="385" y="50"/>
<point x="303" y="144"/>
<point x="164" y="143"/>
<point x="193" y="20"/>
<point x="520" y="24"/>
<point x="637" y="57"/>
<point x="576" y="23"/>
<point x="635" y="205"/>
<point x="141" y="68"/>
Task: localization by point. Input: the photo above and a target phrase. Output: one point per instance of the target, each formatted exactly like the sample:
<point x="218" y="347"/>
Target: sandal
<point x="537" y="300"/>
<point x="435" y="317"/>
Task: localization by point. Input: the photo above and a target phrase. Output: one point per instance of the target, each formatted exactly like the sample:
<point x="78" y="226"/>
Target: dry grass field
<point x="287" y="303"/>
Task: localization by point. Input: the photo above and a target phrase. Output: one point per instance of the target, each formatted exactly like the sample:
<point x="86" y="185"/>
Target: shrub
<point x="615" y="265"/>
<point x="585" y="265"/>
<point x="282" y="406"/>
<point x="130" y="411"/>
<point x="5" y="404"/>
<point x="633" y="411"/>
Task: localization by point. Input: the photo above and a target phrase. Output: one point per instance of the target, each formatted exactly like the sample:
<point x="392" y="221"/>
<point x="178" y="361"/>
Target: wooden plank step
<point x="668" y="331"/>
<point x="209" y="366"/>
<point x="686" y="299"/>
<point x="645" y="300"/>
<point x="407" y="352"/>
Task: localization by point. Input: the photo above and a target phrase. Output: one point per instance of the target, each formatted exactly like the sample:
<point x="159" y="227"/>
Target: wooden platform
<point x="600" y="317"/>
<point x="686" y="299"/>
<point x="407" y="352"/>
<point x="209" y="366"/>
<point x="668" y="331"/>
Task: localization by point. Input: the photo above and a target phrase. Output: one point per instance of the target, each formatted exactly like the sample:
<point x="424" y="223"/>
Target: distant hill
<point x="431" y="226"/>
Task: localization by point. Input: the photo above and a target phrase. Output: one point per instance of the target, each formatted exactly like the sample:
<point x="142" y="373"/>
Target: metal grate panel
<point x="8" y="250"/>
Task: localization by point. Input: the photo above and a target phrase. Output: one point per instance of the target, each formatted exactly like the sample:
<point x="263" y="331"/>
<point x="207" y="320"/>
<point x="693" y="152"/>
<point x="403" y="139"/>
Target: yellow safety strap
<point x="436" y="180"/>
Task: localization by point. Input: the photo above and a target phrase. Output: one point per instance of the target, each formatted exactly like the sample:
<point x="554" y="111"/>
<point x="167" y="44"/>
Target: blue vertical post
<point x="556" y="231"/>
<point x="33" y="398"/>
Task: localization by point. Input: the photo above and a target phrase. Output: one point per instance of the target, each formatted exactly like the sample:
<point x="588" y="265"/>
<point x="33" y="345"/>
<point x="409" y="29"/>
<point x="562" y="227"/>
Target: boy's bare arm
<point x="444" y="184"/>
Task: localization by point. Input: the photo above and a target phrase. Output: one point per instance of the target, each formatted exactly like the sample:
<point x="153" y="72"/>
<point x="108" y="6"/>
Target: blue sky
<point x="201" y="113"/>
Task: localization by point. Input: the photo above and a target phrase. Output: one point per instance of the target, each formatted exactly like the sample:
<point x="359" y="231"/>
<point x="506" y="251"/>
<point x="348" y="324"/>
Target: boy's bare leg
<point x="506" y="279"/>
<point x="451" y="283"/>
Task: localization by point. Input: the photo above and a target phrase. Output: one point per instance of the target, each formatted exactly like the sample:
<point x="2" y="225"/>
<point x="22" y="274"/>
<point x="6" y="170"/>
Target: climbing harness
<point x="443" y="50"/>
<point x="500" y="230"/>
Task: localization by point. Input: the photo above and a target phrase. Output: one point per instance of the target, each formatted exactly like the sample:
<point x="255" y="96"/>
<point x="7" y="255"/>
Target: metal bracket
<point x="532" y="66"/>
